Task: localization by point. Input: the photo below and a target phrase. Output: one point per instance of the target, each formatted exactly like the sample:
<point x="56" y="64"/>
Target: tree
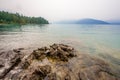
<point x="6" y="17"/>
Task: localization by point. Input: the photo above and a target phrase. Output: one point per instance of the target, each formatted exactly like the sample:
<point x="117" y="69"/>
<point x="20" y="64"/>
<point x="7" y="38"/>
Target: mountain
<point x="114" y="21"/>
<point x="90" y="21"/>
<point x="84" y="21"/>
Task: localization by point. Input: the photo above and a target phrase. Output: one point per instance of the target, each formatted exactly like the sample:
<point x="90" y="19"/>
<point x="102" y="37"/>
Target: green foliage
<point x="9" y="18"/>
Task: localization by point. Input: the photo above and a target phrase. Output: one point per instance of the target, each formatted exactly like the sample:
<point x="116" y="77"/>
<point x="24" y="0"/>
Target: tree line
<point x="9" y="18"/>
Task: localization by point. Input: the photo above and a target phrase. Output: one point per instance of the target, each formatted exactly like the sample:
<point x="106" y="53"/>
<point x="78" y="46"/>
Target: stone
<point x="52" y="76"/>
<point x="16" y="50"/>
<point x="57" y="62"/>
<point x="43" y="70"/>
<point x="56" y="51"/>
<point x="8" y="61"/>
<point x="25" y="64"/>
<point x="2" y="63"/>
<point x="36" y="73"/>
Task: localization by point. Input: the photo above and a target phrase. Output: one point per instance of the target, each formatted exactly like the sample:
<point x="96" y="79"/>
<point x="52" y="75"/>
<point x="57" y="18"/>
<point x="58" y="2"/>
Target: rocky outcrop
<point x="56" y="62"/>
<point x="56" y="51"/>
<point x="8" y="60"/>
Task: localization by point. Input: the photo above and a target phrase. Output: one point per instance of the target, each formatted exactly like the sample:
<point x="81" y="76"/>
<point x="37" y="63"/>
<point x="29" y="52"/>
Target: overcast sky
<point x="57" y="10"/>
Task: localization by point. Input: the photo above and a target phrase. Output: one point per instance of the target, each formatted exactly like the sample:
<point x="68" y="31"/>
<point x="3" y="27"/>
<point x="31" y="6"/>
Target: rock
<point x="61" y="52"/>
<point x="16" y="50"/>
<point x="8" y="61"/>
<point x="42" y="70"/>
<point x="38" y="54"/>
<point x="52" y="76"/>
<point x="25" y="64"/>
<point x="67" y="77"/>
<point x="39" y="73"/>
<point x="56" y="51"/>
<point x="47" y="52"/>
<point x="20" y="48"/>
<point x="2" y="63"/>
<point x="54" y="46"/>
<point x="66" y="48"/>
<point x="57" y="62"/>
<point x="43" y="49"/>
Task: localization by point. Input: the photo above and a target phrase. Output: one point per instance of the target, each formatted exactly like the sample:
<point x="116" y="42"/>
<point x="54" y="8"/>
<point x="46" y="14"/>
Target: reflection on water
<point x="101" y="40"/>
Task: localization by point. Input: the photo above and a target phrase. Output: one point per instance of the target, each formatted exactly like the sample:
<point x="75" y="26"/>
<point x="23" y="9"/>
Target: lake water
<point x="98" y="40"/>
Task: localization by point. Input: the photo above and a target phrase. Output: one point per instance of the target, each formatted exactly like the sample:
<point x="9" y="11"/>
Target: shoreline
<point x="49" y="65"/>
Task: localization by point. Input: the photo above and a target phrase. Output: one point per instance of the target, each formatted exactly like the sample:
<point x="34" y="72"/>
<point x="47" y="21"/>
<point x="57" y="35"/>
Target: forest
<point x="16" y="18"/>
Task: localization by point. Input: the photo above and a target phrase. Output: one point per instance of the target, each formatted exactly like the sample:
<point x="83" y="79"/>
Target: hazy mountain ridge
<point x="114" y="21"/>
<point x="84" y="21"/>
<point x="91" y="21"/>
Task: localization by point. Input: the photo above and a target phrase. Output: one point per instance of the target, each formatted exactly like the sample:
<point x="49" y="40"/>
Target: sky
<point x="58" y="10"/>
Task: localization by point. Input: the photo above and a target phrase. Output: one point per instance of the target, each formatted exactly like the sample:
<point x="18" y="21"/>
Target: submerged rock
<point x="56" y="51"/>
<point x="8" y="60"/>
<point x="57" y="62"/>
<point x="36" y="73"/>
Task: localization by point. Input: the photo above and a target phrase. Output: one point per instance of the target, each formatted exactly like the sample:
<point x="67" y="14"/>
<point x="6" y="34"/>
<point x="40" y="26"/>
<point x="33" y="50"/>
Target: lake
<point x="98" y="40"/>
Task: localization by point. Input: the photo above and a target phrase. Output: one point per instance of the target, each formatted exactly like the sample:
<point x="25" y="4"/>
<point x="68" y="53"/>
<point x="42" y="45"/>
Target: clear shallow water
<point x="100" y="40"/>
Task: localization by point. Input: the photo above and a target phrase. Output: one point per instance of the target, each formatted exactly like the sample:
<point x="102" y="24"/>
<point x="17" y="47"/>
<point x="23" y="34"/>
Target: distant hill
<point x="84" y="21"/>
<point x="114" y="21"/>
<point x="91" y="21"/>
